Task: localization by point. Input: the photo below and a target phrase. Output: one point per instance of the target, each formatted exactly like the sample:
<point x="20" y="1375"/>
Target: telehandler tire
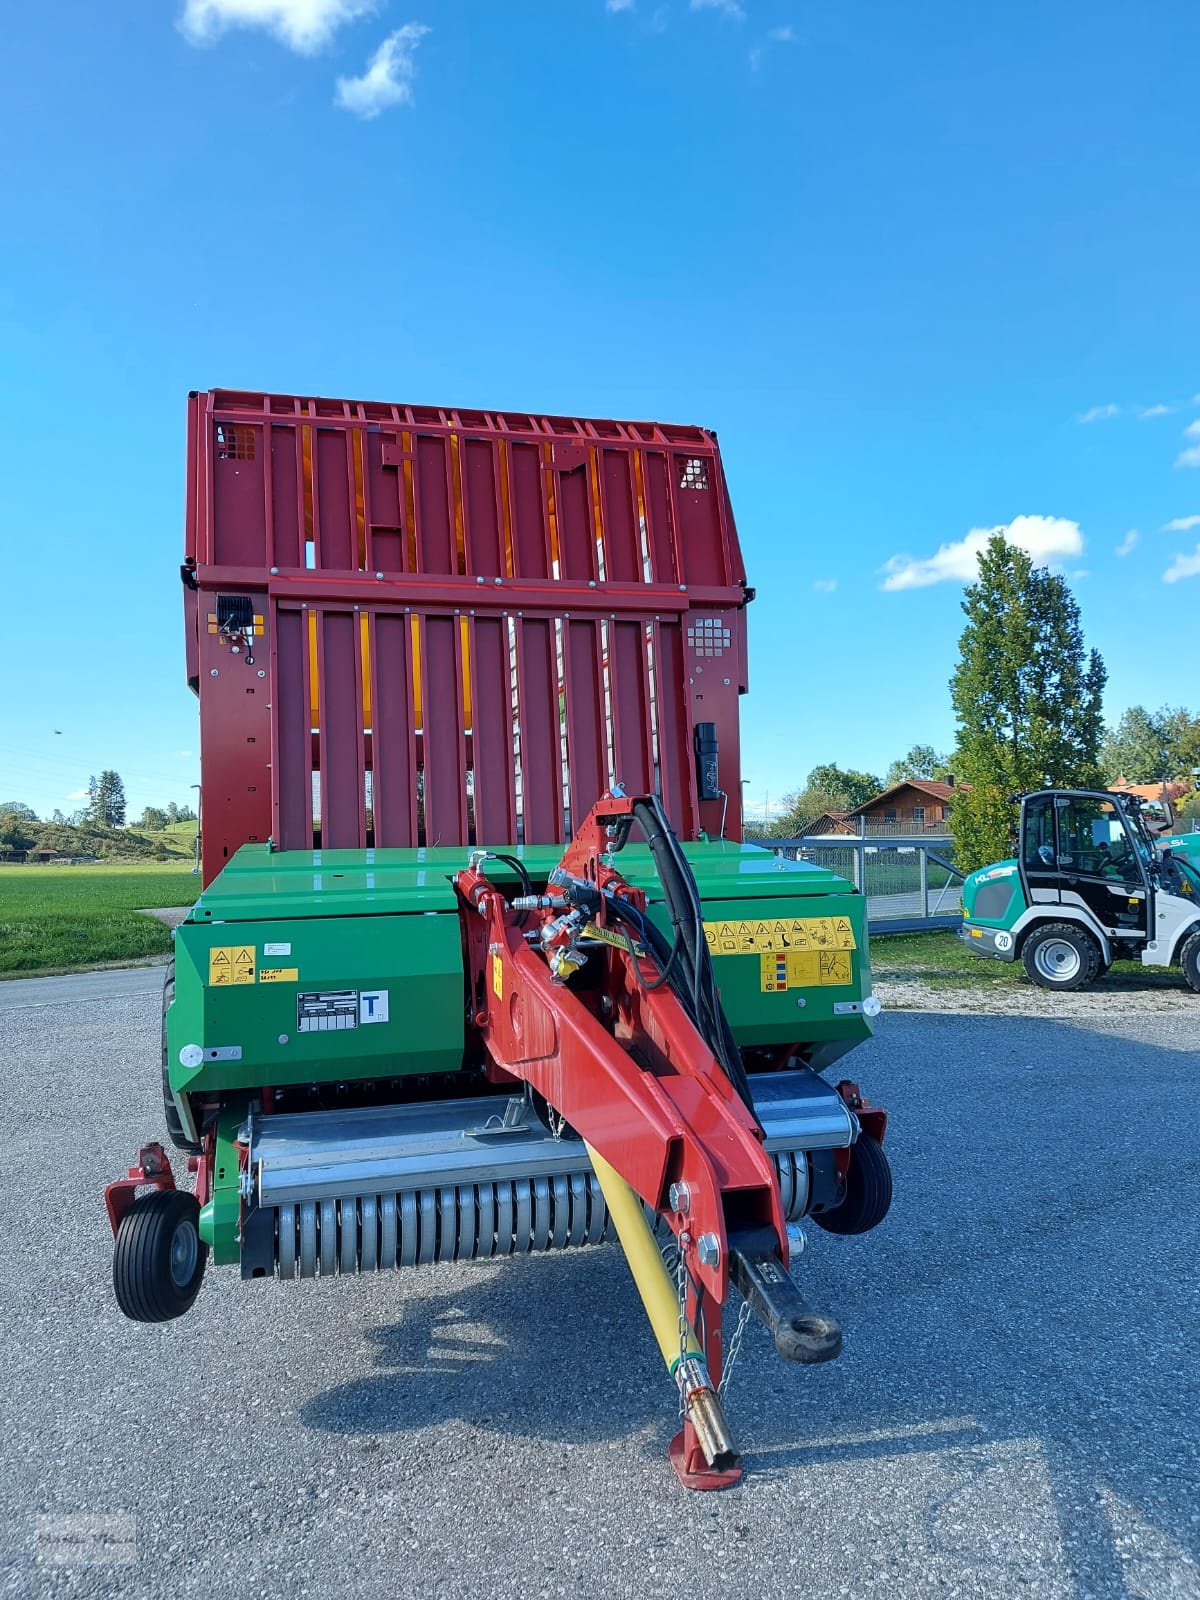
<point x="159" y="1257"/>
<point x="1059" y="955"/>
<point x="868" y="1191"/>
<point x="1189" y="962"/>
<point x="175" y="1131"/>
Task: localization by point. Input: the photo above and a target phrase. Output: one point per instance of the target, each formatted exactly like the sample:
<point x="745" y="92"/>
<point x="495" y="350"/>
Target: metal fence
<point x="910" y="881"/>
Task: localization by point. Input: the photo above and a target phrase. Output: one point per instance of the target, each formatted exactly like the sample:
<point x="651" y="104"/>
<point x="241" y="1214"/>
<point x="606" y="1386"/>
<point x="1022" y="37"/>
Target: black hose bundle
<point x="692" y="980"/>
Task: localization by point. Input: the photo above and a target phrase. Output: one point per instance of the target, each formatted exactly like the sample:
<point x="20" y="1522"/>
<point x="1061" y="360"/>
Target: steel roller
<point x="466" y="1222"/>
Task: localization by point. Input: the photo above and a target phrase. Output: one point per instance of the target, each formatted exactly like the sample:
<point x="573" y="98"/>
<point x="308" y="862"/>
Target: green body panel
<point x="993" y="896"/>
<point x="1186" y="845"/>
<point x="386" y="921"/>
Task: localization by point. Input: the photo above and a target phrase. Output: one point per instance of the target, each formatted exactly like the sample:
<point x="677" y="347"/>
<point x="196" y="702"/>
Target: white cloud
<point x="1181" y="525"/>
<point x="388" y="78"/>
<point x="1047" y="539"/>
<point x="303" y="25"/>
<point x="1100" y="413"/>
<point x="1191" y="456"/>
<point x="825" y="585"/>
<point x="618" y="5"/>
<point x="1147" y="412"/>
<point x="1129" y="543"/>
<point x="727" y="8"/>
<point x="784" y="35"/>
<point x="79" y="794"/>
<point x="1183" y="567"/>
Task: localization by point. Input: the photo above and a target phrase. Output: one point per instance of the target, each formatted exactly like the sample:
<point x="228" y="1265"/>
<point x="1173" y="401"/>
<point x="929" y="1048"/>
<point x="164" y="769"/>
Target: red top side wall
<point x="471" y="621"/>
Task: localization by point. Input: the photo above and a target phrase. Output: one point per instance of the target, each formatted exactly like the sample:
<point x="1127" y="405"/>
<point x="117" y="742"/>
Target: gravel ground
<point x="1106" y="999"/>
<point x="1014" y="1414"/>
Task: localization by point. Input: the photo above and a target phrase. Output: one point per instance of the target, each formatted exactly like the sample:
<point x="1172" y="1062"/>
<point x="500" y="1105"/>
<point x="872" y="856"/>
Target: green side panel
<point x="407" y="968"/>
<point x="763" y="1006"/>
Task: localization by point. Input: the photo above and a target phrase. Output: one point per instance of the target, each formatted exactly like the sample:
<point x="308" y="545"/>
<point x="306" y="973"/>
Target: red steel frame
<point x="629" y="1071"/>
<point x="452" y="602"/>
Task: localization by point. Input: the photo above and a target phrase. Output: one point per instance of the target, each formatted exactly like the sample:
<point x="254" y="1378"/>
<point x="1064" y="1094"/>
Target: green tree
<point x="1135" y="749"/>
<point x="17" y="824"/>
<point x="153" y="819"/>
<point x="1181" y="735"/>
<point x="922" y="761"/>
<point x="1027" y="695"/>
<point x="106" y="800"/>
<point x="846" y="788"/>
<point x="829" y="788"/>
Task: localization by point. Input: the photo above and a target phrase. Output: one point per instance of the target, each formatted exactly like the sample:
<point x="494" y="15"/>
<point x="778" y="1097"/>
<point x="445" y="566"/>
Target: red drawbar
<point x="464" y="625"/>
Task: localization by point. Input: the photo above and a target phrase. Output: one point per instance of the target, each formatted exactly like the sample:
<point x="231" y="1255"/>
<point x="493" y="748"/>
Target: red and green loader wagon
<point x="482" y="965"/>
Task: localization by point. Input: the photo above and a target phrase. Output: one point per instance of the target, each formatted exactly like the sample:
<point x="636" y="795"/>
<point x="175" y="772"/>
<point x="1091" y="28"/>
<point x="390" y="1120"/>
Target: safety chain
<point x="681" y="1279"/>
<point x="735" y="1345"/>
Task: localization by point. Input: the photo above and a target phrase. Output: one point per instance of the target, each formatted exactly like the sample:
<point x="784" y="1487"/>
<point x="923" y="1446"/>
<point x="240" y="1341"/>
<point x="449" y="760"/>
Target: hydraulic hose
<point x="697" y="979"/>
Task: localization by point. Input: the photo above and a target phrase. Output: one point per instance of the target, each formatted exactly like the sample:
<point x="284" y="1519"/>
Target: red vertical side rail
<point x="339" y="678"/>
<point x="541" y="767"/>
<point x="286" y="497"/>
<point x="291" y="735"/>
<point x="676" y="764"/>
<point x="333" y="499"/>
<point x="442" y="729"/>
<point x="622" y="544"/>
<point x="393" y="724"/>
<point x="482" y="510"/>
<point x="629" y="677"/>
<point x="492" y="731"/>
<point x="529" y="514"/>
<point x="587" y="754"/>
<point x="665" y="557"/>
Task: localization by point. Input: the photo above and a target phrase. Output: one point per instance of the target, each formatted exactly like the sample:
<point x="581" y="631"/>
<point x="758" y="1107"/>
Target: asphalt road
<point x="1015" y="1412"/>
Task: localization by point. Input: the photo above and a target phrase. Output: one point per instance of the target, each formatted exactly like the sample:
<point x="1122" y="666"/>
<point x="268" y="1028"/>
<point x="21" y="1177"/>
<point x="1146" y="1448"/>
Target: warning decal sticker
<point x="779" y="935"/>
<point x="231" y="963"/>
<point x="803" y="969"/>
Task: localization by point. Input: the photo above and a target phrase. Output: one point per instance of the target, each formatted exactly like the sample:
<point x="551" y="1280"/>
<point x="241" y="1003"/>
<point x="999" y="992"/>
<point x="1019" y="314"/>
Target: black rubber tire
<point x="868" y="1191"/>
<point x="175" y="1131"/>
<point x="1090" y="959"/>
<point x="149" y="1288"/>
<point x="1189" y="961"/>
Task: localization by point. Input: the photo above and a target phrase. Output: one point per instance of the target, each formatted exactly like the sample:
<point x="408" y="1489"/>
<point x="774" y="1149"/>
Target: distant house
<point x="918" y="805"/>
<point x="829" y="822"/>
<point x="1174" y="792"/>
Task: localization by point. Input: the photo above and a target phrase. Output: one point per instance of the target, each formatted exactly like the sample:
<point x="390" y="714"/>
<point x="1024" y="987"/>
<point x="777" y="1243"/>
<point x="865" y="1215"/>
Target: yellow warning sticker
<point x="231" y="963"/>
<point x="279" y="974"/>
<point x="779" y="935"/>
<point x="497" y="978"/>
<point x="803" y="969"/>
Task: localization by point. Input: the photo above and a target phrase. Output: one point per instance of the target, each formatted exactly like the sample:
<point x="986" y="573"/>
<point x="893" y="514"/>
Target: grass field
<point x="942" y="960"/>
<point x="56" y="919"/>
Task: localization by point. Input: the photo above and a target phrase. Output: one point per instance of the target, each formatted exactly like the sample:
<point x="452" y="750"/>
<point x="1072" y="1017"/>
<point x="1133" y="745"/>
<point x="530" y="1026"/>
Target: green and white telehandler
<point x="1093" y="881"/>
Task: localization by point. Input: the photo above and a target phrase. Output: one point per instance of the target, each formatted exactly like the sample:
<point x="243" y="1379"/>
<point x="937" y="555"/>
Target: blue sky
<point x="926" y="268"/>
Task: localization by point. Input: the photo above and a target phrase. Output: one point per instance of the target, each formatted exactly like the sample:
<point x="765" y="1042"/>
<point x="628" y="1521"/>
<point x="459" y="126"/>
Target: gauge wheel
<point x="159" y="1257"/>
<point x="1060" y="956"/>
<point x="175" y="1129"/>
<point x="868" y="1191"/>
